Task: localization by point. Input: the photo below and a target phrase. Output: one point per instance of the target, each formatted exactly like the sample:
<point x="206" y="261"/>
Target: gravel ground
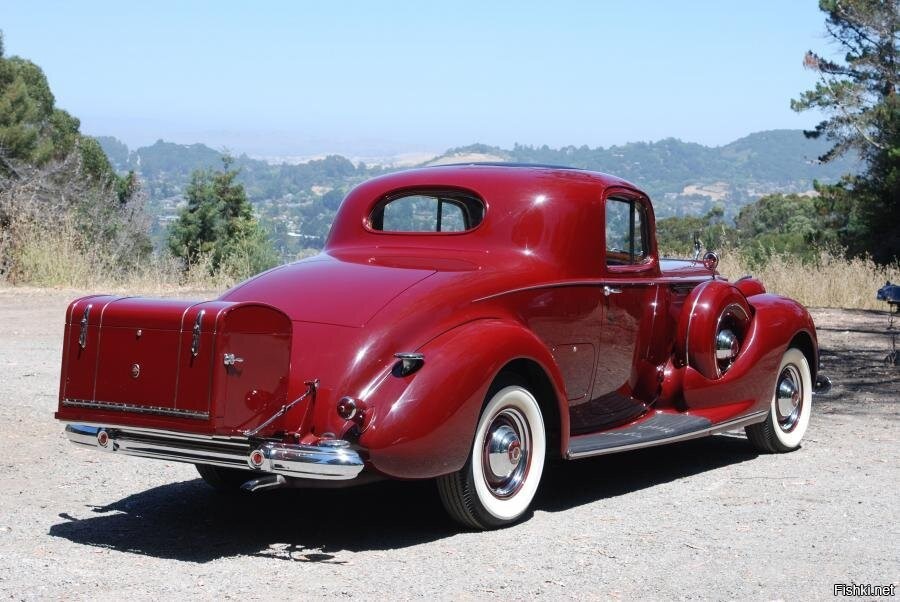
<point x="702" y="519"/>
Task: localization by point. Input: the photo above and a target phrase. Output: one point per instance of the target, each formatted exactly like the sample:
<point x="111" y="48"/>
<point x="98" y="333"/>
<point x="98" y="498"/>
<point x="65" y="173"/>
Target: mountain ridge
<point x="297" y="201"/>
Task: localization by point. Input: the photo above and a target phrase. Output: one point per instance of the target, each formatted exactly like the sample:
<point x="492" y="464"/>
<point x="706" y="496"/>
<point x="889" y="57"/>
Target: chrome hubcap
<point x="505" y="454"/>
<point x="727" y="347"/>
<point x="789" y="398"/>
<point x="730" y="331"/>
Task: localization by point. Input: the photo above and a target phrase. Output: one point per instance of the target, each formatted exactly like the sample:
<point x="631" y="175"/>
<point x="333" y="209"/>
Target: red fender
<point x="422" y="425"/>
<point x="748" y="384"/>
<point x="749" y="286"/>
<point x="708" y="305"/>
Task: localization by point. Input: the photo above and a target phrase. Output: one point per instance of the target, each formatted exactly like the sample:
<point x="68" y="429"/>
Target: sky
<point x="381" y="78"/>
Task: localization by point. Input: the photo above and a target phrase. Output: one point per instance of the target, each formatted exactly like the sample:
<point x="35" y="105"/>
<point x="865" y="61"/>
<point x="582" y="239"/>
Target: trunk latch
<point x="230" y="360"/>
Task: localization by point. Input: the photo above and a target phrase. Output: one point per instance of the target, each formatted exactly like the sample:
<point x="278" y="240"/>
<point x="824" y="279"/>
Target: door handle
<point x="608" y="290"/>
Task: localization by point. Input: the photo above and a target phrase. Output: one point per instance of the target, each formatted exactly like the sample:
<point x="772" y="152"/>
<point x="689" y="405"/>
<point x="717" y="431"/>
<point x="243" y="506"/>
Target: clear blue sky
<point x="364" y="78"/>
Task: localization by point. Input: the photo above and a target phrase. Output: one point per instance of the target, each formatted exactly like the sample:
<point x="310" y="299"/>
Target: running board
<point x="659" y="429"/>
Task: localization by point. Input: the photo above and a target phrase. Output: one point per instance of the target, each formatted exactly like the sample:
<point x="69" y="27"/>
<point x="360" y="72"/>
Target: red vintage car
<point x="463" y="324"/>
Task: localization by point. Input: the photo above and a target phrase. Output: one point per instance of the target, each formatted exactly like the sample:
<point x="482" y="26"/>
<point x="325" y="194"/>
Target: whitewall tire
<point x="790" y="408"/>
<point x="500" y="478"/>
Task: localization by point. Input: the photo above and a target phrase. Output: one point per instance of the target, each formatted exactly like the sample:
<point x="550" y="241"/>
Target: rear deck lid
<point x="329" y="291"/>
<point x="142" y="354"/>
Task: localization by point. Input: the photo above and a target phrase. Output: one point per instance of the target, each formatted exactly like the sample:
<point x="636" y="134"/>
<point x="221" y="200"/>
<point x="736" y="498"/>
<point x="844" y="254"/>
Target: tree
<point x="675" y="235"/>
<point x="218" y="223"/>
<point x="859" y="96"/>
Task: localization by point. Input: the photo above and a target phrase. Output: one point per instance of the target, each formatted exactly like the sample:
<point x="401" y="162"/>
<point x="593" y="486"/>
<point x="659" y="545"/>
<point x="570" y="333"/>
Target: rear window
<point x="427" y="211"/>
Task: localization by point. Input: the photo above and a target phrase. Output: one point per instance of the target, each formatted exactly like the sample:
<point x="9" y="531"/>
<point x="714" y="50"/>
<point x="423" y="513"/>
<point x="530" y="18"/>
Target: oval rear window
<point x="427" y="212"/>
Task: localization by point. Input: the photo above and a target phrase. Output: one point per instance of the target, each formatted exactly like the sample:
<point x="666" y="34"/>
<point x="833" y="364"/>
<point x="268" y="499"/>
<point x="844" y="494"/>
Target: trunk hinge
<point x="311" y="387"/>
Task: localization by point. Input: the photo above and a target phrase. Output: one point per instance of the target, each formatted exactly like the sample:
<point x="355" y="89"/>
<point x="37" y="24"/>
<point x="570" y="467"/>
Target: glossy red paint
<point x="528" y="288"/>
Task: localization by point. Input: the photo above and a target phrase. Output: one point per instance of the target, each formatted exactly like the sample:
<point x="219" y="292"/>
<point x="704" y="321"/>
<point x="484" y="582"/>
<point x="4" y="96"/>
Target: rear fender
<point x="422" y="425"/>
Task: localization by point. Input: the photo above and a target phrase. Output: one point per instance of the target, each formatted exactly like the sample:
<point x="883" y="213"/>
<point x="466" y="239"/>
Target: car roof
<point x="485" y="173"/>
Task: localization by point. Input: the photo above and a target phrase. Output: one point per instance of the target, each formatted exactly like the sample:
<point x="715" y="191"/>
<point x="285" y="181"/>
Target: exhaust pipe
<point x="270" y="481"/>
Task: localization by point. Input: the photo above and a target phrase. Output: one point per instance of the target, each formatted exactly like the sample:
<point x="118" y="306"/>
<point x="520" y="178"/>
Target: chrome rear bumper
<point x="298" y="461"/>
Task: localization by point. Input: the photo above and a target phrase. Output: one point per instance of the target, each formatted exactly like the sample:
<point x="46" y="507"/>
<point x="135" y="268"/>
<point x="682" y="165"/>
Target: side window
<point x="626" y="232"/>
<point x="427" y="213"/>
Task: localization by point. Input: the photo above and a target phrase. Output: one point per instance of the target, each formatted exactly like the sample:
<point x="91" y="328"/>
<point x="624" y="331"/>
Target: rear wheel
<point x="224" y="480"/>
<point x="790" y="409"/>
<point x="500" y="478"/>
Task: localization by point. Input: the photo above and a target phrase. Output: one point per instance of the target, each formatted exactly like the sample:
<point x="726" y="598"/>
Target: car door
<point x="629" y="289"/>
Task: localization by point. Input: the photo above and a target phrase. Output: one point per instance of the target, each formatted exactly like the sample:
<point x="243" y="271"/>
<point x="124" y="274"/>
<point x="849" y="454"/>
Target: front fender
<point x="422" y="425"/>
<point x="748" y="385"/>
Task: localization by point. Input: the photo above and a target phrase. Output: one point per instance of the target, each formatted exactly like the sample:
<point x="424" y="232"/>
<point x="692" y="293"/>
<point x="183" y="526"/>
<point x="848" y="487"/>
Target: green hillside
<point x="297" y="202"/>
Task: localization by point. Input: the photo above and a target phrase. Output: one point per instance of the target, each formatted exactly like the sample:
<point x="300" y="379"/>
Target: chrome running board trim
<point x="656" y="430"/>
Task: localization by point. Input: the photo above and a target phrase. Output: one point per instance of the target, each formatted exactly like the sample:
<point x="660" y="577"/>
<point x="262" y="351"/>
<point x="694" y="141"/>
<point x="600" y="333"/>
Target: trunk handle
<point x="195" y="340"/>
<point x="82" y="336"/>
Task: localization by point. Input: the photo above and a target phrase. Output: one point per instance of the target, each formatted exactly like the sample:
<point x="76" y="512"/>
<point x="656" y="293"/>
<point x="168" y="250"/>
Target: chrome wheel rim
<point x="789" y="398"/>
<point x="506" y="453"/>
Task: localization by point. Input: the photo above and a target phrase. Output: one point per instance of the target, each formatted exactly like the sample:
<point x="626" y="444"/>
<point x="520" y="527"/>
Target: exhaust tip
<point x="272" y="481"/>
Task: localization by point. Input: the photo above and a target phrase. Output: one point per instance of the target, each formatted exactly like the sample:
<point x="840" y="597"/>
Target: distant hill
<point x="685" y="178"/>
<point x="298" y="202"/>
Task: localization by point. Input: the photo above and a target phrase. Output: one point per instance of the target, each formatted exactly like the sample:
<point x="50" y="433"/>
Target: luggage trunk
<point x="209" y="367"/>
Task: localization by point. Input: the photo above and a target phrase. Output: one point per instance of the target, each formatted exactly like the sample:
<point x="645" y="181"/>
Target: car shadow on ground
<point x="188" y="521"/>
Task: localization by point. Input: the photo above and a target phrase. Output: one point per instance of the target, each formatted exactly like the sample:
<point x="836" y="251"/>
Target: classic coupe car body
<point x="463" y="323"/>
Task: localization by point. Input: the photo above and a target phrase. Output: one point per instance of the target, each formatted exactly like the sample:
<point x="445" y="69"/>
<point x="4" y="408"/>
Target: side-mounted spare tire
<point x="712" y="328"/>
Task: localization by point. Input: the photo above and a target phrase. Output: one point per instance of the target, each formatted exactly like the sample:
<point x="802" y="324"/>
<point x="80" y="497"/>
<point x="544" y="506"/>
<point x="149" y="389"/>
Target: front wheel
<point x="790" y="409"/>
<point x="501" y="476"/>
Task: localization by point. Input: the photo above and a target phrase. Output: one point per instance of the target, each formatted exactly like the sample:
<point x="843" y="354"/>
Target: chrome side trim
<point x="290" y="460"/>
<point x="129" y="407"/>
<point x="599" y="282"/>
<point x="694" y="434"/>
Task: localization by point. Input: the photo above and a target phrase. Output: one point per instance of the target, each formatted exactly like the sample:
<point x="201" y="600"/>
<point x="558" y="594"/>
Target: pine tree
<point x="218" y="223"/>
<point x="859" y="95"/>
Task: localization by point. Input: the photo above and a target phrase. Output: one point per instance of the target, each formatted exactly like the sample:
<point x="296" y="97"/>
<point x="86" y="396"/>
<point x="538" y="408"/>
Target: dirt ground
<point x="704" y="519"/>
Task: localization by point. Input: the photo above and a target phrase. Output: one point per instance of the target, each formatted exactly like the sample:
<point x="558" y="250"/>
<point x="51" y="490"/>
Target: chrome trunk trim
<point x="130" y="407"/>
<point x="290" y="460"/>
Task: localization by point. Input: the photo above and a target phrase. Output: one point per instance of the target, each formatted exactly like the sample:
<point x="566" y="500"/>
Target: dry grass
<point x="54" y="258"/>
<point x="830" y="281"/>
<point x="58" y="257"/>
